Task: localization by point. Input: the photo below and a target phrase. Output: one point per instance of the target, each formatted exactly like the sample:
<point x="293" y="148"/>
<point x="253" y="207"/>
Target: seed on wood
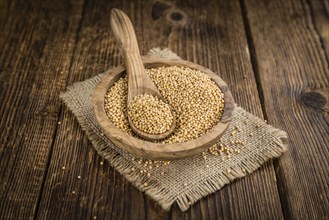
<point x="79" y="177"/>
<point x="63" y="167"/>
<point x="101" y="163"/>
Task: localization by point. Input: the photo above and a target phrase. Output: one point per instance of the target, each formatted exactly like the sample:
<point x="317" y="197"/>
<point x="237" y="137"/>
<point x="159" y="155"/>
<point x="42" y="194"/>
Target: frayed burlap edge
<point x="121" y="160"/>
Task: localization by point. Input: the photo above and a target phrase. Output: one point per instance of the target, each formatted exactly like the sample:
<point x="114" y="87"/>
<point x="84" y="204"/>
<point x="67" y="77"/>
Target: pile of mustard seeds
<point x="195" y="98"/>
<point x="150" y="114"/>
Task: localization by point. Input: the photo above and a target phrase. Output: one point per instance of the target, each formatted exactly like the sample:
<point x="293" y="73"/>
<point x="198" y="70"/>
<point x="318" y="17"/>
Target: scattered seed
<point x="63" y="167"/>
<point x="79" y="177"/>
<point x="101" y="163"/>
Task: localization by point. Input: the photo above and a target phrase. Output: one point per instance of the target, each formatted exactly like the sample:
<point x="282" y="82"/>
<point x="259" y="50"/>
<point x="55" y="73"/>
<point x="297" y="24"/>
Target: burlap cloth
<point x="184" y="181"/>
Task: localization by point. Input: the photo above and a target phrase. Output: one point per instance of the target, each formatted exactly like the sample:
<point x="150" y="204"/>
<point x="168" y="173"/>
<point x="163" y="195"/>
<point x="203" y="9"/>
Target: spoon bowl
<point x="139" y="83"/>
<point x="160" y="151"/>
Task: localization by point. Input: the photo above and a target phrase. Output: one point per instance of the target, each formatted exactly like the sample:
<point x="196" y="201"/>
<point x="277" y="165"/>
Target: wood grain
<point x="272" y="54"/>
<point x="213" y="35"/>
<point x="292" y="64"/>
<point x="217" y="42"/>
<point x="139" y="82"/>
<point x="319" y="16"/>
<point x="159" y="151"/>
<point x="37" y="42"/>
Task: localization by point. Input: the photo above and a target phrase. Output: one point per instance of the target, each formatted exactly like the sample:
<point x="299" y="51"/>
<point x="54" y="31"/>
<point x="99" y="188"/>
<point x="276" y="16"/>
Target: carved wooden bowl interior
<point x="159" y="151"/>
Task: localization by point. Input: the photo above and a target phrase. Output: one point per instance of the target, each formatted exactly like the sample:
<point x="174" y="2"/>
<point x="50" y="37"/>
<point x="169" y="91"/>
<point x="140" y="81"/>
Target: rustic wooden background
<point x="273" y="54"/>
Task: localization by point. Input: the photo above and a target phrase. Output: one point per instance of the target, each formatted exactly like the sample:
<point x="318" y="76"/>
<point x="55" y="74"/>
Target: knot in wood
<point x="317" y="99"/>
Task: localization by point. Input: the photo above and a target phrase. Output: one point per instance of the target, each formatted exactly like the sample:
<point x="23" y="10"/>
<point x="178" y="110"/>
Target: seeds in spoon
<point x="197" y="101"/>
<point x="150" y="114"/>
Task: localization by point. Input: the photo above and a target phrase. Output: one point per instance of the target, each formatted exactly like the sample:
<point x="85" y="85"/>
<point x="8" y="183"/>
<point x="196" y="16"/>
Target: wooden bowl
<point x="158" y="151"/>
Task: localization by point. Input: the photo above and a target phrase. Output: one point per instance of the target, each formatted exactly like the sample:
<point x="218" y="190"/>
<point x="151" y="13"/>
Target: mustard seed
<point x="149" y="114"/>
<point x="195" y="98"/>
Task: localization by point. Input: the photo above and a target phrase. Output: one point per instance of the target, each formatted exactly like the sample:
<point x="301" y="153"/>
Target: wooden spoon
<point x="139" y="83"/>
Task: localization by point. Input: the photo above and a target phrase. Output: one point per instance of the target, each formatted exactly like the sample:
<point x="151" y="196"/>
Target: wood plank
<point x="319" y="15"/>
<point x="217" y="42"/>
<point x="214" y="36"/>
<point x="101" y="192"/>
<point x="292" y="71"/>
<point x="37" y="42"/>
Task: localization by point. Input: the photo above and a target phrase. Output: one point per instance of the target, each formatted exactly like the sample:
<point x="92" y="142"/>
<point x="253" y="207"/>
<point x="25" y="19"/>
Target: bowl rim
<point x="160" y="151"/>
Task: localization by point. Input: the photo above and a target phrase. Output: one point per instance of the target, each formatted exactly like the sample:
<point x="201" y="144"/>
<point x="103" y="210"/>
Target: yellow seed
<point x="63" y="167"/>
<point x="190" y="93"/>
<point x="79" y="177"/>
<point x="73" y="192"/>
<point x="101" y="163"/>
<point x="145" y="184"/>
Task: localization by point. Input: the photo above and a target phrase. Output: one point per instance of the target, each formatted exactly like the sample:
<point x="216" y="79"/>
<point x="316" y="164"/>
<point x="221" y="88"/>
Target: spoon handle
<point x="125" y="37"/>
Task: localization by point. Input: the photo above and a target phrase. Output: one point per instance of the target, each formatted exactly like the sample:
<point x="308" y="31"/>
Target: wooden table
<point x="273" y="55"/>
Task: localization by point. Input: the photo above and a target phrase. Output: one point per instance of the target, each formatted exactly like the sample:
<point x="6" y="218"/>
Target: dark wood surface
<point x="272" y="54"/>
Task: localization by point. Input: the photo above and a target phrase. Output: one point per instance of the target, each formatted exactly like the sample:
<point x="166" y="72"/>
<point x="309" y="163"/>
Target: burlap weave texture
<point x="184" y="181"/>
